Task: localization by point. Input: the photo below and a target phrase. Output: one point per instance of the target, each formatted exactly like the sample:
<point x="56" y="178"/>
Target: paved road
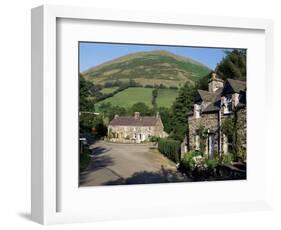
<point x="113" y="163"/>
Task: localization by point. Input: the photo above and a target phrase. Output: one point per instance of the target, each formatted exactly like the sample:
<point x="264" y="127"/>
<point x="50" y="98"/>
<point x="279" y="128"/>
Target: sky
<point x="92" y="53"/>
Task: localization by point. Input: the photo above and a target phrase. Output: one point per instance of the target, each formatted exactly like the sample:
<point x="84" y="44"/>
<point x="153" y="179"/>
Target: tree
<point x="233" y="65"/>
<point x="154" y="97"/>
<point x="142" y="108"/>
<point x="84" y="93"/>
<point x="121" y="111"/>
<point x="87" y="121"/>
<point x="105" y="108"/>
<point x="166" y="116"/>
<point x="181" y="107"/>
<point x="203" y="82"/>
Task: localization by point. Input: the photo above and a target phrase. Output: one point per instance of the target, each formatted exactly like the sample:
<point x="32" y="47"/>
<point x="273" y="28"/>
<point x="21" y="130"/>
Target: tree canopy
<point x="181" y="107"/>
<point x="233" y="65"/>
<point x="142" y="108"/>
<point x="84" y="93"/>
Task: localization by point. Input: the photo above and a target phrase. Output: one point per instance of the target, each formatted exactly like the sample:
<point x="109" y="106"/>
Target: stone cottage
<point x="135" y="129"/>
<point x="211" y="108"/>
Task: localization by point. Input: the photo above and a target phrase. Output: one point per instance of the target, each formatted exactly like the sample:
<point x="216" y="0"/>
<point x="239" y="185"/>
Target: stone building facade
<point x="135" y="129"/>
<point x="223" y="100"/>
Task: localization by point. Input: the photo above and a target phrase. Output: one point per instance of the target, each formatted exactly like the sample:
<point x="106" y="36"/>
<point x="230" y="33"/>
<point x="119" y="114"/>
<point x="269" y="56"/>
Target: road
<point x="115" y="164"/>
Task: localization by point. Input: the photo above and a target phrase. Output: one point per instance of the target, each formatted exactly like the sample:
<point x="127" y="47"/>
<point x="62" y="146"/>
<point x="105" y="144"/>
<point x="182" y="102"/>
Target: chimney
<point x="137" y="115"/>
<point x="213" y="76"/>
<point x="157" y="115"/>
<point x="214" y="83"/>
<point x="116" y="116"/>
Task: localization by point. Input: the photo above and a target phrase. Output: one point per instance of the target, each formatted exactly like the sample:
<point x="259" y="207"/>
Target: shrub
<point x="170" y="148"/>
<point x="84" y="159"/>
<point x="211" y="164"/>
<point x="194" y="160"/>
<point x="227" y="159"/>
<point x="196" y="165"/>
<point x="154" y="138"/>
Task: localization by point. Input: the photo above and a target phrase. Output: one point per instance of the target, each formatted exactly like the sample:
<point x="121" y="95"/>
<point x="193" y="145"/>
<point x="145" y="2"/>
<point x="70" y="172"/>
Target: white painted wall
<point x="15" y="113"/>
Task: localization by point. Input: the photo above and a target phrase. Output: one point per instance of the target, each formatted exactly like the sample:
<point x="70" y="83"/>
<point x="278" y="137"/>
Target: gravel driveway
<point x="115" y="164"/>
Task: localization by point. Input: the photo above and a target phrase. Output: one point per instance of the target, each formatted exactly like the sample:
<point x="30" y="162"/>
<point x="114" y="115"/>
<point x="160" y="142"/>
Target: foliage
<point x="105" y="108"/>
<point x="202" y="83"/>
<point x="196" y="164"/>
<point x="116" y="110"/>
<point x="142" y="108"/>
<point x="88" y="121"/>
<point x="101" y="129"/>
<point x="154" y="138"/>
<point x="154" y="97"/>
<point x="228" y="126"/>
<point x="212" y="163"/>
<point x="227" y="158"/>
<point x="84" y="159"/>
<point x="193" y="160"/>
<point x="85" y="91"/>
<point x="170" y="148"/>
<point x="233" y="65"/>
<point x="231" y="127"/>
<point x="166" y="116"/>
<point x="182" y="105"/>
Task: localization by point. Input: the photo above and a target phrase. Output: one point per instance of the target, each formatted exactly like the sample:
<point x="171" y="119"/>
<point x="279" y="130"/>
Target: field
<point x="166" y="97"/>
<point x="108" y="90"/>
<point x="130" y="96"/>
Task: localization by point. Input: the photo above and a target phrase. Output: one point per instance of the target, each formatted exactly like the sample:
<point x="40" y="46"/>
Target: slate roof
<point x="132" y="121"/>
<point x="211" y="108"/>
<point x="234" y="86"/>
<point x="204" y="95"/>
<point x="213" y="98"/>
<point x="231" y="86"/>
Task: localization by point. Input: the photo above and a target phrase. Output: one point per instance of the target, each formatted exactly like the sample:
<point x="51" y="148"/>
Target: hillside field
<point x="108" y="90"/>
<point x="132" y="95"/>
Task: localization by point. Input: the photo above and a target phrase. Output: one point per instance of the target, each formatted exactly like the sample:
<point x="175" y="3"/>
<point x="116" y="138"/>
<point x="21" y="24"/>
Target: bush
<point x="154" y="138"/>
<point x="170" y="148"/>
<point x="84" y="159"/>
<point x="187" y="162"/>
<point x="211" y="164"/>
<point x="198" y="166"/>
<point x="227" y="159"/>
<point x="193" y="160"/>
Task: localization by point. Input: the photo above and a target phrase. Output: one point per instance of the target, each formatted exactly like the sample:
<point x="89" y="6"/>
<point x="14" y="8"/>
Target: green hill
<point x="132" y="95"/>
<point x="148" y="68"/>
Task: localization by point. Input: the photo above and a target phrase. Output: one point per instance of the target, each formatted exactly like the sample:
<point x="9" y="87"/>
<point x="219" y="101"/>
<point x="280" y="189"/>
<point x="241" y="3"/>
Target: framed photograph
<point x="138" y="114"/>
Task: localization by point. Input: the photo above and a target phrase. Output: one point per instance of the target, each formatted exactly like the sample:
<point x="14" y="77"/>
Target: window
<point x="227" y="104"/>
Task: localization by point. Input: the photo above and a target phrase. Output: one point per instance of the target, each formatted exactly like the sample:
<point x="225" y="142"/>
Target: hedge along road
<point x="115" y="164"/>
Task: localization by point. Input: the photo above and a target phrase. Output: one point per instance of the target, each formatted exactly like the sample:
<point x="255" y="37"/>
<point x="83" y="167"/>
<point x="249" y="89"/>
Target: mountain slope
<point x="148" y="68"/>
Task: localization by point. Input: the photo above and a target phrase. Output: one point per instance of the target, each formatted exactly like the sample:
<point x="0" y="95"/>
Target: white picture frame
<point x="46" y="164"/>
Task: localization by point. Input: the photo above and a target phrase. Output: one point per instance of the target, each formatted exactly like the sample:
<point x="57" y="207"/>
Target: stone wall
<point x="206" y="121"/>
